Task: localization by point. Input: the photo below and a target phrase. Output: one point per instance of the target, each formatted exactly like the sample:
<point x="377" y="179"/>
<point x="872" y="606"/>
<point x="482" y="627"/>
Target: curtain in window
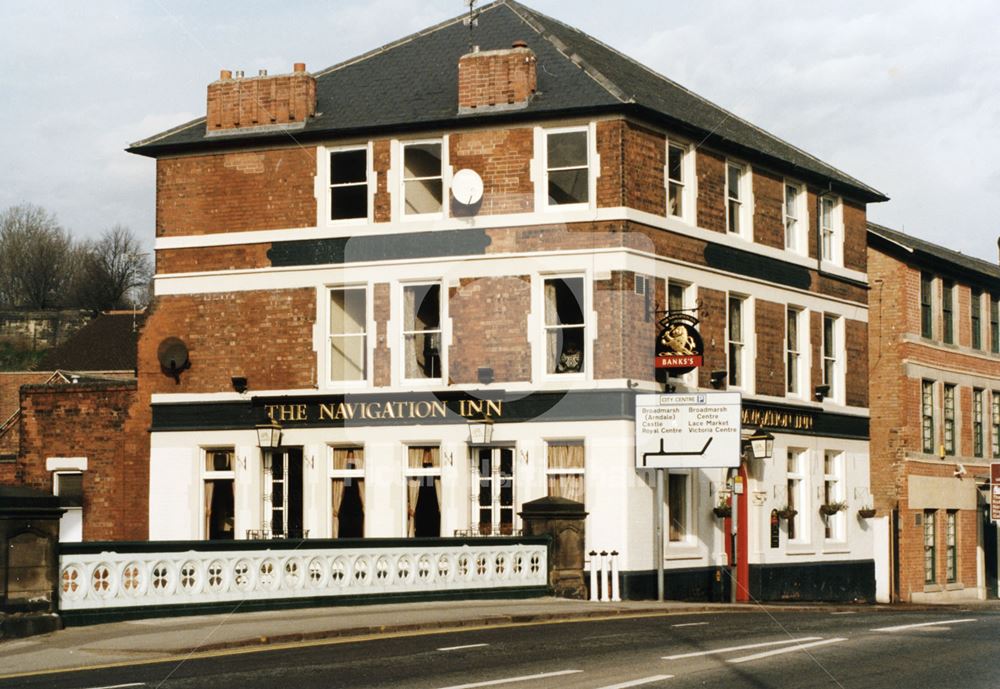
<point x="420" y="457"/>
<point x="346" y="459"/>
<point x="565" y="485"/>
<point x="209" y="492"/>
<point x="338" y="496"/>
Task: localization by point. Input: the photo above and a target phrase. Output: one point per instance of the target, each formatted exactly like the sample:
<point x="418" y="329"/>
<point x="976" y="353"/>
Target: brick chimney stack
<point x="235" y="103"/>
<point x="502" y="79"/>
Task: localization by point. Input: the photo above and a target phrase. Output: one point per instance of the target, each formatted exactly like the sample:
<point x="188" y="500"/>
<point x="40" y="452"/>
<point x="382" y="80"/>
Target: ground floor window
<point x="492" y="491"/>
<point x="68" y="485"/>
<point x="930" y="561"/>
<point x="951" y="546"/>
<point x="423" y="491"/>
<point x="565" y="471"/>
<point x="282" y="496"/>
<point x="678" y="489"/>
<point x="220" y="494"/>
<point x="348" y="492"/>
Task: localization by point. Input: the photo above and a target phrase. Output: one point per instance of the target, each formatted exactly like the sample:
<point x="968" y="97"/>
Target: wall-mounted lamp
<point x="269" y="434"/>
<point x="481" y="431"/>
<point x="718" y="379"/>
<point x="761" y="444"/>
<point x="821" y="392"/>
<point x="239" y="383"/>
<point x="485" y="375"/>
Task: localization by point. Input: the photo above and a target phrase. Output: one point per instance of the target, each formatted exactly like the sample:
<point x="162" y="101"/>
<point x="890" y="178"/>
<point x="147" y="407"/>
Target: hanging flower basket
<point x="787" y="513"/>
<point x="723" y="511"/>
<point x="866" y="512"/>
<point x="831" y="508"/>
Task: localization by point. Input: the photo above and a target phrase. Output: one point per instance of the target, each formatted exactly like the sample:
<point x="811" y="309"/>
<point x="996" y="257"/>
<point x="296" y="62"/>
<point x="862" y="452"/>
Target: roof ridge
<point x="604" y="82"/>
<point x="691" y="93"/>
<point x="404" y="40"/>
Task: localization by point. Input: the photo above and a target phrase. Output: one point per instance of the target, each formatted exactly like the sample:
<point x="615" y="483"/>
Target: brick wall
<point x="92" y="421"/>
<point x="856" y="366"/>
<point x="711" y="170"/>
<point x="489" y="319"/>
<point x="10" y="400"/>
<point x="496" y="77"/>
<point x="231" y="257"/>
<point x="855" y="236"/>
<point x="382" y="311"/>
<point x="712" y="313"/>
<point x="236" y="191"/>
<point x="502" y="157"/>
<point x="610" y="145"/>
<point x="644" y="160"/>
<point x="770" y="327"/>
<point x="382" y="163"/>
<point x="769" y="213"/>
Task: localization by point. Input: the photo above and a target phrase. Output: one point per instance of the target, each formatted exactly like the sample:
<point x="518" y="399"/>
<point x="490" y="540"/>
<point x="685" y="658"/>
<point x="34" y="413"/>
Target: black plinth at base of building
<point x="18" y="625"/>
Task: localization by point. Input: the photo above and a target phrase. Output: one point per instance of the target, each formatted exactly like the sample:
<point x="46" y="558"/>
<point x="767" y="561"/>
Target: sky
<point x="903" y="95"/>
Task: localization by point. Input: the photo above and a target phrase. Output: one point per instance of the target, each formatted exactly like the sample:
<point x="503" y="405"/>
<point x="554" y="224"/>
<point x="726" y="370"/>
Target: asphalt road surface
<point x="866" y="648"/>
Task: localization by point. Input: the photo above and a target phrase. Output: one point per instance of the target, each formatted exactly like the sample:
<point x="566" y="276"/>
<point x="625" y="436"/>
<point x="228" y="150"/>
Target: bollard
<point x="593" y="575"/>
<point x="605" y="593"/>
<point x="616" y="594"/>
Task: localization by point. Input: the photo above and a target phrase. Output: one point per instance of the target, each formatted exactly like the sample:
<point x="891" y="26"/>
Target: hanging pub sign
<point x="679" y="347"/>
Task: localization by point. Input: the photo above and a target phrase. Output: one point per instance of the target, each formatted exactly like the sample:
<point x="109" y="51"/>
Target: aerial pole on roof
<point x="472" y="21"/>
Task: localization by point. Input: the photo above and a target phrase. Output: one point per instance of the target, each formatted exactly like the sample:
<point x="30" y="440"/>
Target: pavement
<point x="138" y="641"/>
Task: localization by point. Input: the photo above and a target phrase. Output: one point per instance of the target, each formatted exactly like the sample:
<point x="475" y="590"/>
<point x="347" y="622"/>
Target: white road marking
<point x="689" y="624"/>
<point x="637" y="682"/>
<point x="121" y="686"/>
<point x="509" y="680"/>
<point x="459" y="648"/>
<point x="844" y="612"/>
<point x="740" y="648"/>
<point x="900" y="627"/>
<point x="790" y="649"/>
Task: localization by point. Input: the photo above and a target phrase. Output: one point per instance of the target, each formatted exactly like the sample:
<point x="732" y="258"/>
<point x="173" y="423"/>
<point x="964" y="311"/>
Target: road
<point x="863" y="649"/>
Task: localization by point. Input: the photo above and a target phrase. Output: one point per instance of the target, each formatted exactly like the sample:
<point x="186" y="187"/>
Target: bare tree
<point x="34" y="257"/>
<point x="114" y="271"/>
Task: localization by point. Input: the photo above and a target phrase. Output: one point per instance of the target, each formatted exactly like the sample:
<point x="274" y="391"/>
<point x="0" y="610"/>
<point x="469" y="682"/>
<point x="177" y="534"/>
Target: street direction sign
<point x="995" y="491"/>
<point x="687" y="430"/>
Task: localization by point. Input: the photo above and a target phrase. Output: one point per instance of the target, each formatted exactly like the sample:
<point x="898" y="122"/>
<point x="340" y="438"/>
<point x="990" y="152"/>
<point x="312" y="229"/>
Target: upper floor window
<point x="565" y="325"/>
<point x="737" y="341"/>
<point x="423" y="178"/>
<point x="978" y="429"/>
<point x="995" y="423"/>
<point x="349" y="184"/>
<point x="348" y="337"/>
<point x="832" y="367"/>
<point x="794" y="346"/>
<point x="976" y="318"/>
<point x="678" y="189"/>
<point x="927" y="414"/>
<point x="830" y="232"/>
<point x="949" y="419"/>
<point x="995" y="324"/>
<point x="794" y="221"/>
<point x="947" y="311"/>
<point x="567" y="166"/>
<point x="926" y="305"/>
<point x="422" y="343"/>
<point x="737" y="208"/>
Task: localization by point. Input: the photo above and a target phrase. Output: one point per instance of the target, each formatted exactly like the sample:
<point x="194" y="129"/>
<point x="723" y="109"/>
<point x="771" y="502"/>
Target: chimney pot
<point x="519" y="44"/>
<point x="239" y="74"/>
<point x="262" y="72"/>
<point x="225" y="74"/>
<point x="300" y="67"/>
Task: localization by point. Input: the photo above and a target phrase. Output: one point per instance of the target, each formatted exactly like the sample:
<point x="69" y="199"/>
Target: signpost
<point x="698" y="430"/>
<point x="995" y="491"/>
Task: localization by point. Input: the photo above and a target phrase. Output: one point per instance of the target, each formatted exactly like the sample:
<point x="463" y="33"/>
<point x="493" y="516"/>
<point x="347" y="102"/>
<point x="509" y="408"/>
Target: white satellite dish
<point x="467" y="187"/>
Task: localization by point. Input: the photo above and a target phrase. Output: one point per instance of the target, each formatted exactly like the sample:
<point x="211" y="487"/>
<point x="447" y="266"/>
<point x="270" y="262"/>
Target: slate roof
<point x="107" y="343"/>
<point x="928" y="253"/>
<point x="412" y="84"/>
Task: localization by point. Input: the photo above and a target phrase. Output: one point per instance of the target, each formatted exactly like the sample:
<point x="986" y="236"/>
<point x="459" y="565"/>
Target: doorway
<point x="282" y="493"/>
<point x="492" y="491"/>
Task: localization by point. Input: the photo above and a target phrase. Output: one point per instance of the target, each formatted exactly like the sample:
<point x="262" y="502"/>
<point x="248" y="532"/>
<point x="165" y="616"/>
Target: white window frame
<point x="420" y="472"/>
<point x="445" y="180"/>
<point x="831" y="234"/>
<point x="542" y="188"/>
<point x="795" y="240"/>
<point x="747" y="343"/>
<point x="689" y="300"/>
<point x="689" y="538"/>
<point x="837" y="392"/>
<point x="801" y="501"/>
<point x="334" y="474"/>
<point x="800" y="390"/>
<point x="835" y="526"/>
<point x="212" y="475"/>
<point x="443" y="329"/>
<point x="324" y="206"/>
<point x="928" y="413"/>
<point x="559" y="471"/>
<point x="744" y="197"/>
<point x="686" y="182"/>
<point x="369" y="337"/>
<point x="540" y="349"/>
<point x="74" y="513"/>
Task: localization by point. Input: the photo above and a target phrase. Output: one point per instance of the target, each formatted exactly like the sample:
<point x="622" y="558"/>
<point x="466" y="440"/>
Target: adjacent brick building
<point x="450" y="234"/>
<point x="935" y="409"/>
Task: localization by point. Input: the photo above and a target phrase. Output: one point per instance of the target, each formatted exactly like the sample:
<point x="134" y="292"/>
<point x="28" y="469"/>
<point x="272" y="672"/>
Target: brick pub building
<point x="432" y="234"/>
<point x="935" y="377"/>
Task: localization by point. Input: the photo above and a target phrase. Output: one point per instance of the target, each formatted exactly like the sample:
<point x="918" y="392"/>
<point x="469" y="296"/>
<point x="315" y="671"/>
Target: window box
<point x="866" y="512"/>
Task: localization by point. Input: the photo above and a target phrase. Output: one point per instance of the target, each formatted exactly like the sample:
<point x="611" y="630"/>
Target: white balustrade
<point x="120" y="580"/>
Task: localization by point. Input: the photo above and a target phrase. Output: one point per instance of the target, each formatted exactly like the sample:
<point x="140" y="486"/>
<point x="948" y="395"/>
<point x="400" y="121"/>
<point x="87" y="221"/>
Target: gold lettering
<point x="287" y="412"/>
<point x="494" y="408"/>
<point x="422" y="409"/>
<point x="475" y="407"/>
<point x="388" y="412"/>
<point x="439" y="409"/>
<point x="300" y="412"/>
<point x="325" y="411"/>
<point x="269" y="408"/>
